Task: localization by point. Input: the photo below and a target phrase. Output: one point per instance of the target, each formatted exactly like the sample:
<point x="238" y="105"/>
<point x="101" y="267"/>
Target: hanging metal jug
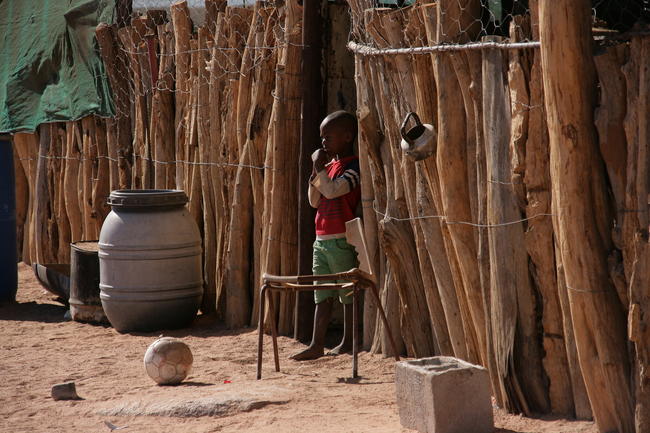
<point x="418" y="142"/>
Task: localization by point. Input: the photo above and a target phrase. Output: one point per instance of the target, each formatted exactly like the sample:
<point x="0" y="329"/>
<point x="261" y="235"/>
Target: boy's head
<point x="338" y="131"/>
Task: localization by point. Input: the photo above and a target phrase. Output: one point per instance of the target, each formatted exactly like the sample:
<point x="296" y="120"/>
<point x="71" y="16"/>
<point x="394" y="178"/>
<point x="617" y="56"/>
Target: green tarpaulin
<point x="50" y="68"/>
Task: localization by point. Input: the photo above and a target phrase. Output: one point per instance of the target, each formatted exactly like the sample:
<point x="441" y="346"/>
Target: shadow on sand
<point x="33" y="312"/>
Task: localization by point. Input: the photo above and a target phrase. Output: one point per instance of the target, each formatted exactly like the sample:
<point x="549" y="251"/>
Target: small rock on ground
<point x="65" y="391"/>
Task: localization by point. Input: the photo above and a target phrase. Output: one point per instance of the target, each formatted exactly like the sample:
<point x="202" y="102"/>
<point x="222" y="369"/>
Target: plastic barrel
<point x="150" y="273"/>
<point x="8" y="267"/>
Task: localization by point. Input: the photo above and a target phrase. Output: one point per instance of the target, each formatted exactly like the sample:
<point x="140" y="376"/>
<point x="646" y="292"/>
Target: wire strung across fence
<point x="444" y="218"/>
<point x="136" y="156"/>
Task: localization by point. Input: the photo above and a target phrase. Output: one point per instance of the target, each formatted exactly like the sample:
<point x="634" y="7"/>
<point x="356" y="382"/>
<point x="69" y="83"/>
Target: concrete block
<point x="443" y="395"/>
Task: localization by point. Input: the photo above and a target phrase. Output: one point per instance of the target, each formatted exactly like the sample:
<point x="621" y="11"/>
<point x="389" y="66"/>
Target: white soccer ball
<point x="168" y="361"/>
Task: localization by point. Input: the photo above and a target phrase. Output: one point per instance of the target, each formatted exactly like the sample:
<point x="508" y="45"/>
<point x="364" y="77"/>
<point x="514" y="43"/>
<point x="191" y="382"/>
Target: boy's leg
<point x="323" y="312"/>
<point x="345" y="259"/>
<point x="345" y="345"/>
<point x="322" y="316"/>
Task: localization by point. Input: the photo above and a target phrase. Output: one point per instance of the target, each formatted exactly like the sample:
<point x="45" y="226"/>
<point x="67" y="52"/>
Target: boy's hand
<point x="319" y="159"/>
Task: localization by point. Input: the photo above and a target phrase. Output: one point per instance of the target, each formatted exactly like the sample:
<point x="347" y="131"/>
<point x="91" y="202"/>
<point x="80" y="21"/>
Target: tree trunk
<point x="579" y="189"/>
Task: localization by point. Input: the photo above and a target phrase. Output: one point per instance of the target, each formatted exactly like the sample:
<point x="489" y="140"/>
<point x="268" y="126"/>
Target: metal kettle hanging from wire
<point x="418" y="142"/>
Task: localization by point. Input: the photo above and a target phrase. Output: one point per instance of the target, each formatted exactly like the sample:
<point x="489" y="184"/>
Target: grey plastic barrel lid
<point x="133" y="199"/>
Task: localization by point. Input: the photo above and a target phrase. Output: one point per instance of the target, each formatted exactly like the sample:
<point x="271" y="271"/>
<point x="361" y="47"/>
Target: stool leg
<point x="355" y="332"/>
<point x="260" y="327"/>
<point x="274" y="332"/>
<point x="383" y="318"/>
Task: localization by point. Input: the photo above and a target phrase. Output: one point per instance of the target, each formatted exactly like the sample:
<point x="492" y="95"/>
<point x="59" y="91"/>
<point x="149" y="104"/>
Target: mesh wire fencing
<point x="440" y="26"/>
<point x="167" y="46"/>
<point x="152" y="57"/>
<point x="472" y="24"/>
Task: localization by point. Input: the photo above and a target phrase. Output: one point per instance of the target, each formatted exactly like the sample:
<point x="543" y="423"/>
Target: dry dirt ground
<point x="38" y="349"/>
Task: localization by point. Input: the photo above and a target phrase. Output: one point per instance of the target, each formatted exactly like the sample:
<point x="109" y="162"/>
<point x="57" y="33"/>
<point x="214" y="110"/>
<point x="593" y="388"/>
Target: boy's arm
<point x="332" y="188"/>
<point x="314" y="194"/>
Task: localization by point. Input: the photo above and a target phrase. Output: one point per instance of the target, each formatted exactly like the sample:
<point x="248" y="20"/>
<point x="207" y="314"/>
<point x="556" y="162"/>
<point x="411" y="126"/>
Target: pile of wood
<point x="522" y="245"/>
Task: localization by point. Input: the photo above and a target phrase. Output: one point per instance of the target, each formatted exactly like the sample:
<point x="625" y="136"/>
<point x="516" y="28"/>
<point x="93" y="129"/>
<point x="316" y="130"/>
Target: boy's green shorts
<point x="332" y="256"/>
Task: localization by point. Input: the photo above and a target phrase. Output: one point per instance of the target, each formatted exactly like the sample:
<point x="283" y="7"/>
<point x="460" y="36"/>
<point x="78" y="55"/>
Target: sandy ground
<point x="38" y="349"/>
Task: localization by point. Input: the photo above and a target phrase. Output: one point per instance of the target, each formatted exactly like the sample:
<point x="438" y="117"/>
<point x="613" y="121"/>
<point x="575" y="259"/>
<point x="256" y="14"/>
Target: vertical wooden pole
<point x="100" y="185"/>
<point x="88" y="153"/>
<point x="42" y="200"/>
<point x="512" y="306"/>
<point x="162" y="112"/>
<point x="258" y="133"/>
<point x="450" y="285"/>
<point x="26" y="147"/>
<point x="579" y="190"/>
<point x="452" y="161"/>
<point x="237" y="260"/>
<point x="216" y="100"/>
<point x="119" y="143"/>
<point x="541" y="249"/>
<point x="638" y="329"/>
<point x="368" y="136"/>
<point x="72" y="170"/>
<point x="209" y="303"/>
<point x="280" y="247"/>
<point x="182" y="33"/>
<point x="312" y="112"/>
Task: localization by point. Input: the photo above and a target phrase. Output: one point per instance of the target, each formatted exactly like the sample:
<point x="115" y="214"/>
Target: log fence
<point x="521" y="245"/>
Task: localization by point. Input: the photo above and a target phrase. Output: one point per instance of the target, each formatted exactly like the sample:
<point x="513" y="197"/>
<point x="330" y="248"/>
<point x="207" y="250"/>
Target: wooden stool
<point x="356" y="279"/>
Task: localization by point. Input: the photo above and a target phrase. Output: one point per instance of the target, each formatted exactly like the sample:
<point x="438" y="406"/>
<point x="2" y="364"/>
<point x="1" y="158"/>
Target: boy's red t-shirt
<point x="332" y="214"/>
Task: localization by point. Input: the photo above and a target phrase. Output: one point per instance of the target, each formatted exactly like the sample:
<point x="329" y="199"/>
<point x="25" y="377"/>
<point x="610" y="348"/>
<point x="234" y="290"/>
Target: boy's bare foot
<point x="307" y="354"/>
<point x="341" y="348"/>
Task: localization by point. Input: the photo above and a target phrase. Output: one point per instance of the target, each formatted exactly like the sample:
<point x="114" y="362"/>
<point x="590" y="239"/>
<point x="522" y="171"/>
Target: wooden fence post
<point x="577" y="177"/>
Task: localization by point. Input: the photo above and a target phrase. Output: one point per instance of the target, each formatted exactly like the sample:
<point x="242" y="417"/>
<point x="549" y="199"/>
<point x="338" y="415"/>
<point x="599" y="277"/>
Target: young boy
<point x="334" y="190"/>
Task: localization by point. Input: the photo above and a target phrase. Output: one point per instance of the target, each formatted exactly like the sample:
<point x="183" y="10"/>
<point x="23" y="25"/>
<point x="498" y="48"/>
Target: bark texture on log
<point x="640" y="278"/>
<point x="182" y="33"/>
<point x="578" y="188"/>
<point x="540" y="247"/>
<point x="512" y="302"/>
<point x="452" y="165"/>
<point x="162" y="112"/>
<point x="26" y="146"/>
